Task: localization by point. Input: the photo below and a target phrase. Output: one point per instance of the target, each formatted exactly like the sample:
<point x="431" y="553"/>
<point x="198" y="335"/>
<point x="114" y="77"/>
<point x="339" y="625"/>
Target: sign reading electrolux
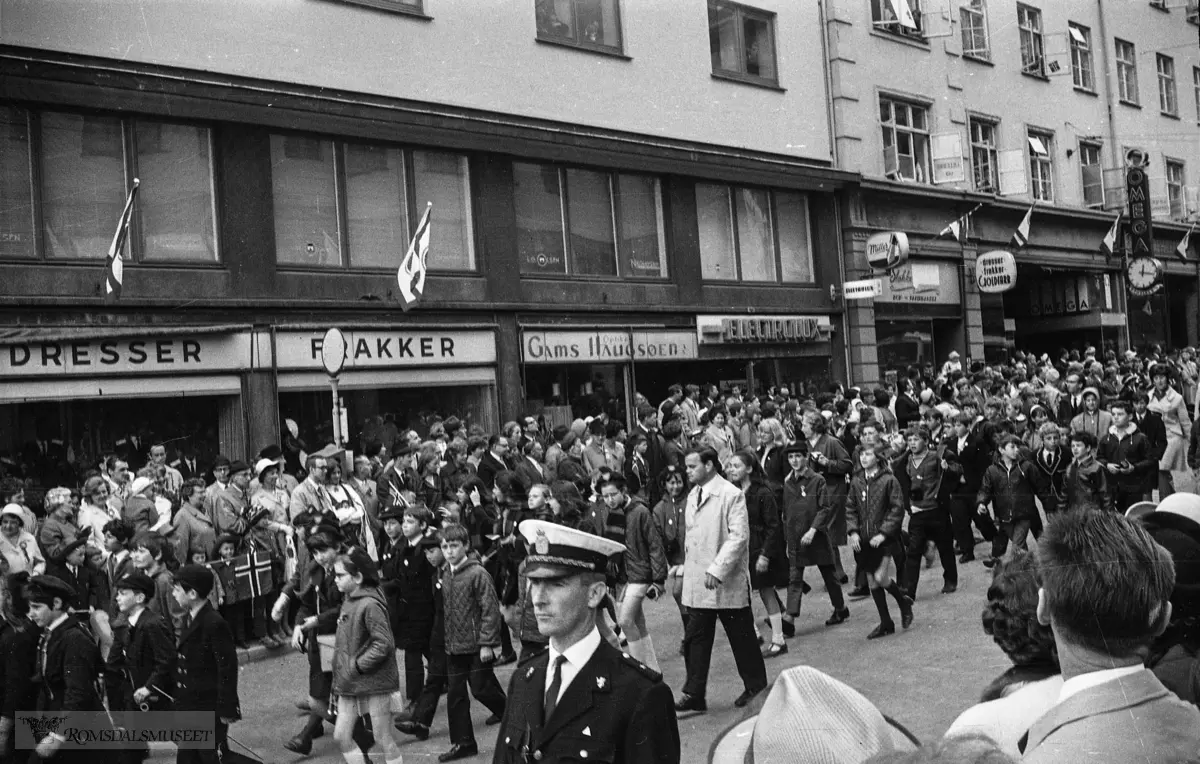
<point x="138" y="355"/>
<point x="607" y="346"/>
<point x="389" y="348"/>
<point x="762" y="330"/>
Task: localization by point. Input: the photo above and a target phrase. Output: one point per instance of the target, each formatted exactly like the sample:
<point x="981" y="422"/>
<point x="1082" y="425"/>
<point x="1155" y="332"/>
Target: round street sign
<point x="996" y="272"/>
<point x="333" y="351"/>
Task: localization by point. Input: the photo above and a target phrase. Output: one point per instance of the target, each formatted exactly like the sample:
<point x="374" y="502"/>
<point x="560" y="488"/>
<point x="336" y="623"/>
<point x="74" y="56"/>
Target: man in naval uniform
<point x="581" y="698"/>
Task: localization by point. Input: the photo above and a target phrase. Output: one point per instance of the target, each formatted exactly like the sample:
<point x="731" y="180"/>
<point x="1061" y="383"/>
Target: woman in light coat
<point x="719" y="437"/>
<point x="1169" y="404"/>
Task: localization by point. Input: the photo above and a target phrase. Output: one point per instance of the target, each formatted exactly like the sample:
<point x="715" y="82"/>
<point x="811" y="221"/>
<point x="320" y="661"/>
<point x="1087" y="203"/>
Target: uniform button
<point x="507" y="740"/>
<point x="583" y="754"/>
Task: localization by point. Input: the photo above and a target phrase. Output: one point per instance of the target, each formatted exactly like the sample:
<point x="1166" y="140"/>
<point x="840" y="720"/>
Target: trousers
<point x="795" y="591"/>
<point x="698" y="643"/>
<point x="414" y="672"/>
<point x="1016" y="531"/>
<point x="434" y="688"/>
<point x="923" y="527"/>
<point x="463" y="671"/>
<point x="962" y="515"/>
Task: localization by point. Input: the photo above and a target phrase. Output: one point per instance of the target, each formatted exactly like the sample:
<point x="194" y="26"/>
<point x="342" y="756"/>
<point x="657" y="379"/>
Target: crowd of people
<point x="711" y="496"/>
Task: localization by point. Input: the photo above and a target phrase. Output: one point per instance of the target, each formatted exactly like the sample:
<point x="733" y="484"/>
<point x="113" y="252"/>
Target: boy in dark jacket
<point x="141" y="666"/>
<point x="1010" y="486"/>
<point x="930" y="479"/>
<point x="417" y="721"/>
<point x="407" y="581"/>
<point x="1125" y="452"/>
<point x="1053" y="459"/>
<point x="1086" y="484"/>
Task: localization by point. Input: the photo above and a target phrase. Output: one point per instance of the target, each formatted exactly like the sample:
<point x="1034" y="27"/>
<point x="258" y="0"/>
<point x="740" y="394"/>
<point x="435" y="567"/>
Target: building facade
<point x="991" y="106"/>
<point x="624" y="196"/>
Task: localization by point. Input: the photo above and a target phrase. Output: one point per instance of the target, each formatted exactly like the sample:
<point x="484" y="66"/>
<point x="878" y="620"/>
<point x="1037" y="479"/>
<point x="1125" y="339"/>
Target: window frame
<point x="580" y="44"/>
<point x="1196" y="90"/>
<point x="412" y="211"/>
<point x="1081" y="52"/>
<point x="927" y="165"/>
<point x="1084" y="147"/>
<point x="883" y="26"/>
<point x="394" y="6"/>
<point x="1036" y="161"/>
<point x="1170" y="164"/>
<point x="966" y="10"/>
<point x="991" y="150"/>
<point x="742" y="12"/>
<point x="1029" y="24"/>
<point x="773" y="217"/>
<point x="564" y="205"/>
<point x="1127" y="74"/>
<point x="1168" y="86"/>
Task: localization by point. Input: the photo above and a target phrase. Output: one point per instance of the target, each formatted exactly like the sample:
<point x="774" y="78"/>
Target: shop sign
<point x="862" y="290"/>
<point x="922" y="284"/>
<point x="996" y="272"/>
<point x="389" y="348"/>
<point x="137" y="355"/>
<point x="1064" y="295"/>
<point x="762" y="330"/>
<point x="1137" y="190"/>
<point x="607" y="346"/>
<point x="887" y="250"/>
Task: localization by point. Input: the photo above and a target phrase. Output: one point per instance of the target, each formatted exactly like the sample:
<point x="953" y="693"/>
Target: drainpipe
<point x="830" y="117"/>
<point x="1114" y="148"/>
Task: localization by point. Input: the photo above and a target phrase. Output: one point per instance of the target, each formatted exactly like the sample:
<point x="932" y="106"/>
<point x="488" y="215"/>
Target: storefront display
<point x="918" y="318"/>
<point x="792" y="351"/>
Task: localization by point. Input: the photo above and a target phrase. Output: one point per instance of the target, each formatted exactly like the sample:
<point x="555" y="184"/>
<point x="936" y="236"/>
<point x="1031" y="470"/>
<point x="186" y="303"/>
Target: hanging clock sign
<point x="1144" y="276"/>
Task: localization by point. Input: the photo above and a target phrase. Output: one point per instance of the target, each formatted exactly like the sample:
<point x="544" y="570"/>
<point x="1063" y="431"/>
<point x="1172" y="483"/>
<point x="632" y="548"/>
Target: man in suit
<point x="581" y="693"/>
<point x="189" y="466"/>
<point x="1151" y="425"/>
<point x="399" y="476"/>
<point x="971" y="451"/>
<point x="207" y="664"/>
<point x="529" y="469"/>
<point x="1111" y="709"/>
<point x="655" y="459"/>
<point x="1070" y="405"/>
<point x="494" y="461"/>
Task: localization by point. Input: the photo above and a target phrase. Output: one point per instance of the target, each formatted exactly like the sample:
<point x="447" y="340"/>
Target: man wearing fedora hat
<point x="229" y="505"/>
<point x="581" y="699"/>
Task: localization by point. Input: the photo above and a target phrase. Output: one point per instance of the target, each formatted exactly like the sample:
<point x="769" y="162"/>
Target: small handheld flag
<point x="1182" y="249"/>
<point x="411" y="275"/>
<point x="1109" y="245"/>
<point x="1020" y="236"/>
<point x="114" y="268"/>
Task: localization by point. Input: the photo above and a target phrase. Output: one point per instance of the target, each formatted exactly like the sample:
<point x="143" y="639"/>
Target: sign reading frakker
<point x="762" y="330"/>
<point x="996" y="272"/>
<point x="389" y="348"/>
<point x="607" y="346"/>
<point x="185" y="353"/>
<point x="887" y="250"/>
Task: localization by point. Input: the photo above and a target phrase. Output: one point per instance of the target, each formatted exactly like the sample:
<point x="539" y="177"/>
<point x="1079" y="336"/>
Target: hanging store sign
<point x="923" y="284"/>
<point x="607" y="346"/>
<point x="389" y="348"/>
<point x="996" y="272"/>
<point x="1137" y="190"/>
<point x="762" y="330"/>
<point x="138" y="355"/>
<point x="887" y="250"/>
<point x="947" y="155"/>
<point x="862" y="290"/>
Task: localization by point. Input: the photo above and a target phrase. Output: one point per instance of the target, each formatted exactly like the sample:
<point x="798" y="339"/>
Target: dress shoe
<point x="747" y="696"/>
<point x="949" y="588"/>
<point x="774" y="650"/>
<point x="906" y="611"/>
<point x="416" y="729"/>
<point x="968" y="557"/>
<point x="989" y="562"/>
<point x="270" y="642"/>
<point x="839" y="616"/>
<point x="882" y="630"/>
<point x="506" y="659"/>
<point x="493" y="720"/>
<point x="858" y="592"/>
<point x="843" y="579"/>
<point x="299" y="744"/>
<point x="789" y="628"/>
<point x="459" y="751"/>
<point x="690" y="703"/>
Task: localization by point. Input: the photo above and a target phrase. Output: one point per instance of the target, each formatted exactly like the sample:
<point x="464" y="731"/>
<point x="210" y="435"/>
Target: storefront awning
<point x="382" y="379"/>
<point x="25" y="335"/>
<point x="59" y="389"/>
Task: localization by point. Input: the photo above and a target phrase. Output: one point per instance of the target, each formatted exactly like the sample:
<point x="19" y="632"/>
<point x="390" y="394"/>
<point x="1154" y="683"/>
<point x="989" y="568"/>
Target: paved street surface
<point x="923" y="677"/>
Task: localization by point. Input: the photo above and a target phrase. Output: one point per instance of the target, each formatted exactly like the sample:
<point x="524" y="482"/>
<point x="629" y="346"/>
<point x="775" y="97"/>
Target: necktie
<point x="42" y="644"/>
<point x="552" y="692"/>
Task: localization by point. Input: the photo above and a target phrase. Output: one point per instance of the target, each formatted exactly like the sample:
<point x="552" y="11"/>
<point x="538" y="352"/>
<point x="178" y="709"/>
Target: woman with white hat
<point x="140" y="511"/>
<point x="18" y="547"/>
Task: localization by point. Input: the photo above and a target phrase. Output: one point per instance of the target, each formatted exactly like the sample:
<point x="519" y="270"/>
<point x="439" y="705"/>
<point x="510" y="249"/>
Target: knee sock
<point x="776" y="621"/>
<point x="354" y="757"/>
<point x="894" y="589"/>
<point x="880" y="597"/>
<point x="649" y="657"/>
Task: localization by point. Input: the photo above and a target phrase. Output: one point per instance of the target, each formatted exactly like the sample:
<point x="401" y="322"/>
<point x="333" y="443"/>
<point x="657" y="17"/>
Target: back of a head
<point x="968" y="749"/>
<point x="1010" y="616"/>
<point x="1106" y="582"/>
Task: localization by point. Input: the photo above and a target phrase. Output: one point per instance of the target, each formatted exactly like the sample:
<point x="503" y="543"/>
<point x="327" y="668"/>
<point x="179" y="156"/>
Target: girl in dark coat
<point x="808" y="516"/>
<point x="874" y="512"/>
<point x="768" y="561"/>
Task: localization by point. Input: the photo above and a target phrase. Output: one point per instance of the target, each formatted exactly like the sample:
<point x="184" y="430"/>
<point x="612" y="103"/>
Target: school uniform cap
<point x="395" y="513"/>
<point x="43" y="590"/>
<point x="798" y="447"/>
<point x="137" y="581"/>
<point x="198" y="578"/>
<point x="556" y="550"/>
<point x="431" y="539"/>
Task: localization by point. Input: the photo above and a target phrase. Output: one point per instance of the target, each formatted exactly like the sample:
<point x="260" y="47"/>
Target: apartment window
<point x="901" y="17"/>
<point x="1081" y="57"/>
<point x="588" y="222"/>
<point x="1041" y="165"/>
<point x="742" y="42"/>
<point x="973" y="19"/>
<point x="1193" y="11"/>
<point x="1175" y="193"/>
<point x="905" y="140"/>
<point x="16" y="190"/>
<point x="753" y="234"/>
<point x="983" y="155"/>
<point x="348" y="204"/>
<point x="1168" y="100"/>
<point x="1127" y="88"/>
<point x="1091" y="174"/>
<point x="1196" y="90"/>
<point x="1033" y="59"/>
<point x="585" y="23"/>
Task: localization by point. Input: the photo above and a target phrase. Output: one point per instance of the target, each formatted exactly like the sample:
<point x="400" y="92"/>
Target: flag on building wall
<point x="1182" y="249"/>
<point x="411" y="276"/>
<point x="1020" y="237"/>
<point x="960" y="228"/>
<point x="1109" y="245"/>
<point x="114" y="267"/>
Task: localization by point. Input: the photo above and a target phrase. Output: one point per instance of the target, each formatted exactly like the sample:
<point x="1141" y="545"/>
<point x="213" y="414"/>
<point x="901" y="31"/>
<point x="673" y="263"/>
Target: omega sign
<point x="996" y="272"/>
<point x="762" y="330"/>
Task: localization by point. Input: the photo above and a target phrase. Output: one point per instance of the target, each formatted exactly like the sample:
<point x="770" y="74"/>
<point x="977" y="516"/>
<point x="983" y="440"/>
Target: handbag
<point x="325" y="646"/>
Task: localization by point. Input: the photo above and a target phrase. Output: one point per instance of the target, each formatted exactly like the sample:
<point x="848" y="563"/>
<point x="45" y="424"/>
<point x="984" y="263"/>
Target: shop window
<point x="613" y="222"/>
<point x="983" y="154"/>
<point x="1168" y="99"/>
<point x="742" y="42"/>
<point x="905" y="140"/>
<point x="757" y="235"/>
<point x="1041" y="165"/>
<point x="1081" y="57"/>
<point x="902" y="17"/>
<point x="1127" y="87"/>
<point x="973" y="19"/>
<point x="583" y="23"/>
<point x="1033" y="51"/>
<point x="347" y="204"/>
<point x="16" y="191"/>
<point x="1092" y="174"/>
<point x="1175" y="185"/>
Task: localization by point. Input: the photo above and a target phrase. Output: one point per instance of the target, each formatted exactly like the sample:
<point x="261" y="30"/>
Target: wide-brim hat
<point x="809" y="716"/>
<point x="264" y="464"/>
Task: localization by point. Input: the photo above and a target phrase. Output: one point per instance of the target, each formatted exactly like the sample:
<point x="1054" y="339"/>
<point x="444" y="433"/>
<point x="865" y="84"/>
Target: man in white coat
<point x="716" y="582"/>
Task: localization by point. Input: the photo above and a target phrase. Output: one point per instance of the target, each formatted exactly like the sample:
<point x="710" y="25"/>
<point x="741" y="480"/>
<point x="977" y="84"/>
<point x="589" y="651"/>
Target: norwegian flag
<point x="1020" y="236"/>
<point x="411" y="275"/>
<point x="252" y="574"/>
<point x="114" y="268"/>
<point x="1109" y="245"/>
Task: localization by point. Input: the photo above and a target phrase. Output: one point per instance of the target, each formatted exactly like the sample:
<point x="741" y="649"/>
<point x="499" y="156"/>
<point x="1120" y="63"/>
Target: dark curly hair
<point x="1010" y="618"/>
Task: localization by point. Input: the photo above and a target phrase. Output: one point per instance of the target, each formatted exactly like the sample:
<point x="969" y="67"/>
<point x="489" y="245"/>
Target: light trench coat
<point x="1178" y="425"/>
<point x="717" y="542"/>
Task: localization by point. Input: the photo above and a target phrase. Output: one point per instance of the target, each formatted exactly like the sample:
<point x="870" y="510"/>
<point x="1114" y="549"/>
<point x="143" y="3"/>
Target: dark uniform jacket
<point x="807" y="503"/>
<point x="143" y="655"/>
<point x="614" y="710"/>
<point x="1054" y="468"/>
<point x="18" y="655"/>
<point x="1132" y="447"/>
<point x="407" y="581"/>
<point x="67" y="681"/>
<point x="206" y="675"/>
<point x="1151" y="425"/>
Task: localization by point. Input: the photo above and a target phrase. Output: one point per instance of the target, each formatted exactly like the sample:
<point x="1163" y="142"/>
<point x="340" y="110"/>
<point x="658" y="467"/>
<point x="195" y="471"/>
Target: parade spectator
<point x="19" y="548"/>
<point x="310" y="499"/>
<point x="94" y="512"/>
<point x="192" y="528"/>
<point x="138" y="509"/>
<point x="1169" y="405"/>
<point x="58" y="526"/>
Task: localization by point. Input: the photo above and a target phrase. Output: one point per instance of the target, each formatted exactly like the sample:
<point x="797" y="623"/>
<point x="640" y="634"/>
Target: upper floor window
<point x="742" y="42"/>
<point x="345" y="204"/>
<point x="905" y="140"/>
<point x="1091" y="174"/>
<point x="588" y="222"/>
<point x="1175" y="186"/>
<point x="973" y="19"/>
<point x="585" y="23"/>
<point x="1041" y="165"/>
<point x="1196" y="90"/>
<point x="85" y="164"/>
<point x="983" y="155"/>
<point x="1081" y="57"/>
<point x="1127" y="87"/>
<point x="1168" y="99"/>
<point x="1033" y="57"/>
<point x="898" y="17"/>
<point x="753" y="234"/>
<point x="1193" y="11"/>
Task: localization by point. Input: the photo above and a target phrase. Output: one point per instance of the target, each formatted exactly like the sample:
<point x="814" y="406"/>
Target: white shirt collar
<point x="58" y="622"/>
<point x="577" y="656"/>
<point x="1078" y="684"/>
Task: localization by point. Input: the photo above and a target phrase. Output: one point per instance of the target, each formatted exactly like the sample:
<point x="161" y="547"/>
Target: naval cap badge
<point x="541" y="544"/>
